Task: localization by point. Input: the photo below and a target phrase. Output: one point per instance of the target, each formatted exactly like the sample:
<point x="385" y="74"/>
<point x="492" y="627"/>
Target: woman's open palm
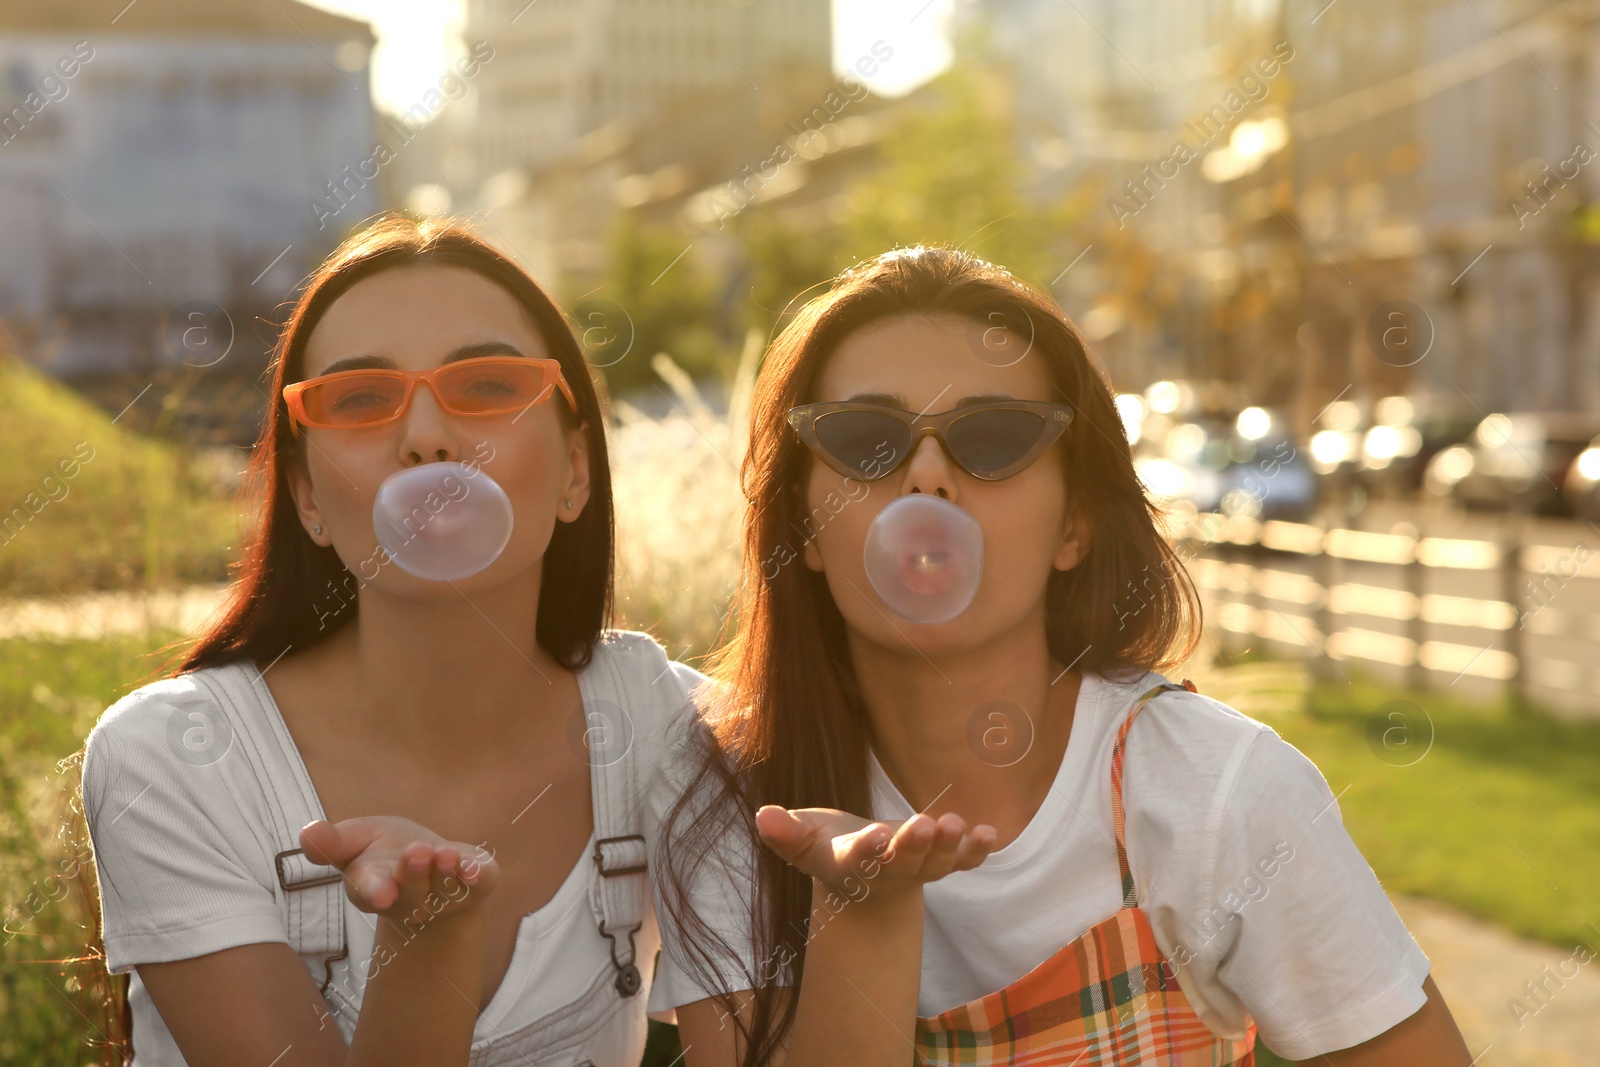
<point x="392" y="865"/>
<point x="831" y="845"/>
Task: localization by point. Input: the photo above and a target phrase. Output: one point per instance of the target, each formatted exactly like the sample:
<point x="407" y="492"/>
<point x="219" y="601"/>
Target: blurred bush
<point x="85" y="504"/>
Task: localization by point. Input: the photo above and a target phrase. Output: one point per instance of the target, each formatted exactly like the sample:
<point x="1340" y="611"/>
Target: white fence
<point x="1475" y="617"/>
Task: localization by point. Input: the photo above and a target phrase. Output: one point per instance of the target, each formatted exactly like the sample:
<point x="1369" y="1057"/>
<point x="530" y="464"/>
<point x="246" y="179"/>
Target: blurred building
<point x="568" y="67"/>
<point x="1359" y="198"/>
<point x="157" y="157"/>
<point x="1446" y="164"/>
<point x="1439" y="160"/>
<point x="1120" y="104"/>
<point x="598" y="106"/>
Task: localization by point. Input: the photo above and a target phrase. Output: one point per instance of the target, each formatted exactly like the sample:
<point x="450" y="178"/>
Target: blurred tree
<point x="952" y="175"/>
<point x="784" y="265"/>
<point x="653" y="298"/>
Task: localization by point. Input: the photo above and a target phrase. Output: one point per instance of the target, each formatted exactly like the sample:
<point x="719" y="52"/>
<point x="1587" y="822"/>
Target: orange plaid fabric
<point x="1108" y="999"/>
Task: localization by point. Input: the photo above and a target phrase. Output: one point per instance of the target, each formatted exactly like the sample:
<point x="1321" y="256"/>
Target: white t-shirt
<point x="1255" y="891"/>
<point x="186" y="868"/>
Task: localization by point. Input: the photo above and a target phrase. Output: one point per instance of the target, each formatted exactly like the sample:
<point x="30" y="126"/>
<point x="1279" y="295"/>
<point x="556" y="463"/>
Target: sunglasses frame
<point x="804" y="418"/>
<point x="294" y="398"/>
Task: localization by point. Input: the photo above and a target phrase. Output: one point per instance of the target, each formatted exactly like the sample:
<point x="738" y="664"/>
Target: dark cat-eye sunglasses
<point x="991" y="440"/>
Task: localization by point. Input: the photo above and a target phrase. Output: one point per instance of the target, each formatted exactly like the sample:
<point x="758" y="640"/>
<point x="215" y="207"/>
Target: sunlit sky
<point x="416" y="38"/>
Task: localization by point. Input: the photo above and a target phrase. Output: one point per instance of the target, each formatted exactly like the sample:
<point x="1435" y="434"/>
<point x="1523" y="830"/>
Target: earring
<point x="317" y="530"/>
<point x="569" y="504"/>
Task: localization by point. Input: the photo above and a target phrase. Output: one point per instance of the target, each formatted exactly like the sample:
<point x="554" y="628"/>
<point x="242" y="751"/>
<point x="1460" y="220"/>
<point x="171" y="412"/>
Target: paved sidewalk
<point x="1481" y="970"/>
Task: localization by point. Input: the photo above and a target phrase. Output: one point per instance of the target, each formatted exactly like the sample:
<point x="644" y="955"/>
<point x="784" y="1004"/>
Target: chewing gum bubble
<point x="924" y="557"/>
<point x="442" y="521"/>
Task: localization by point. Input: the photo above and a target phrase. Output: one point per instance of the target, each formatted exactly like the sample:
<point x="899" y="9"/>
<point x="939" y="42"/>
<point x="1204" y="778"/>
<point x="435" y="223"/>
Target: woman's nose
<point x="929" y="470"/>
<point x="429" y="436"/>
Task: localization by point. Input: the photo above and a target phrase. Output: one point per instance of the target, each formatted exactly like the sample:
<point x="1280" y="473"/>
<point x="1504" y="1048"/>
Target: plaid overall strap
<point x="1118" y="822"/>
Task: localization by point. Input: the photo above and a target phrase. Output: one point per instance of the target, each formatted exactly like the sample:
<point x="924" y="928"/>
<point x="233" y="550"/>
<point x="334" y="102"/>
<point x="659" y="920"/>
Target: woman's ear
<point x="813" y="557"/>
<point x="576" y="490"/>
<point x="304" y="495"/>
<point x="1075" y="543"/>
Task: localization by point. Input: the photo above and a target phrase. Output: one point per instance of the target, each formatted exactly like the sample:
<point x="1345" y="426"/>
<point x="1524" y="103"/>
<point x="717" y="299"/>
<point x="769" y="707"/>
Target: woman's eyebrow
<point x="894" y="400"/>
<point x="358" y="363"/>
<point x="483" y="348"/>
<point x="471" y="351"/>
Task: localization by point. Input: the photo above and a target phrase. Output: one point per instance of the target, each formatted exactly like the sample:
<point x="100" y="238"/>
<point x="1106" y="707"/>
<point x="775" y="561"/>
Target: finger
<point x="910" y="843"/>
<point x="382" y="875"/>
<point x="459" y="879"/>
<point x="447" y="877"/>
<point x="975" y="847"/>
<point x="415" y="866"/>
<point x="447" y="859"/>
<point x="472" y="866"/>
<point x="335" y="845"/>
<point x="371" y="884"/>
<point x="949" y="829"/>
<point x="410" y="877"/>
<point x="451" y="867"/>
<point x="784" y="831"/>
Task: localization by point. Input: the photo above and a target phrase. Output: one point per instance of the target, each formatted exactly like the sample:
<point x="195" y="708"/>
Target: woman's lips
<point x="923" y="556"/>
<point x="927" y="563"/>
<point x="452" y="520"/>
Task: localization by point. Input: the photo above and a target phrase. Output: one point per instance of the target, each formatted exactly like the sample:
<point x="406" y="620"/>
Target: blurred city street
<point x="1338" y="262"/>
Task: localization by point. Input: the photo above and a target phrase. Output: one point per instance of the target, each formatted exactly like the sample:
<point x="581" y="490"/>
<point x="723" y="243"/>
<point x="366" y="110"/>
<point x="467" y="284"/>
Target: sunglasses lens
<point x="987" y="442"/>
<point x="353" y="400"/>
<point x="868" y="442"/>
<point x="470" y="387"/>
<point x="484" y="389"/>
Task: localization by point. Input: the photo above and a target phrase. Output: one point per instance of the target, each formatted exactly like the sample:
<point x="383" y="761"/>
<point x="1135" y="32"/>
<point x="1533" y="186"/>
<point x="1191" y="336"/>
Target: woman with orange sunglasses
<point x="376" y="818"/>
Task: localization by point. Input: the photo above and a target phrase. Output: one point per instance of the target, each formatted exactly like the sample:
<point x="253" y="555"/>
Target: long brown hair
<point x="290" y="592"/>
<point x="786" y="725"/>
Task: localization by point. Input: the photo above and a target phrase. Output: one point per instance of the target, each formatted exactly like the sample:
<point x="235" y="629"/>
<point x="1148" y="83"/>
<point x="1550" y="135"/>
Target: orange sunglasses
<point x="485" y="385"/>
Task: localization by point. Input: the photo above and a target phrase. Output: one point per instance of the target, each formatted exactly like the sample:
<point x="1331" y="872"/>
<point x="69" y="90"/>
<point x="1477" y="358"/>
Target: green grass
<point x="1500" y="817"/>
<point x="1266" y="1058"/>
<point x="86" y="505"/>
<point x="50" y="695"/>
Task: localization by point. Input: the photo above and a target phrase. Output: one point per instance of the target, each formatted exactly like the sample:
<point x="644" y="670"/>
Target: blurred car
<point x="1268" y="476"/>
<point x="1336" y="447"/>
<point x="1185" y="461"/>
<point x="1169" y="443"/>
<point x="1582" y="484"/>
<point x="1403" y="437"/>
<point x="1191" y="445"/>
<point x="1514" y="463"/>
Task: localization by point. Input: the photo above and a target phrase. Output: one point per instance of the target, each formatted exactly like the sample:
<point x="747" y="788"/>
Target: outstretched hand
<point x="831" y="845"/>
<point x="392" y="864"/>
